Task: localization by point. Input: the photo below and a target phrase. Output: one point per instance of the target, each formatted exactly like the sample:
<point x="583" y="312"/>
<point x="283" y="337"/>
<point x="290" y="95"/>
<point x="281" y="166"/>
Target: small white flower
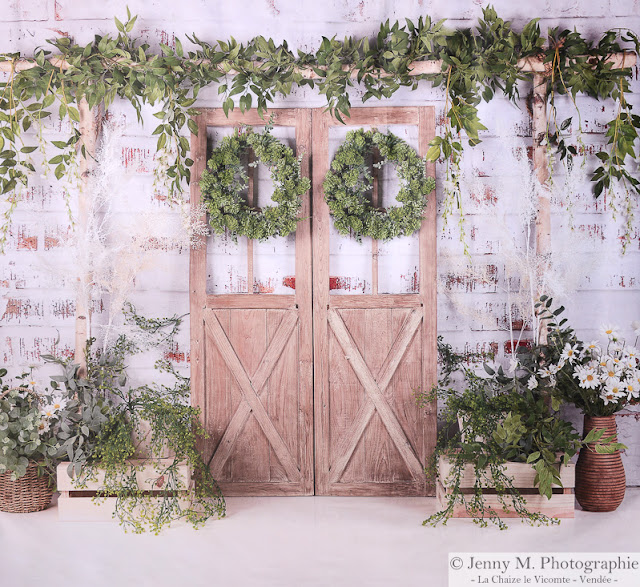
<point x="532" y="383"/>
<point x="570" y="353"/>
<point x="553" y="369"/>
<point x="615" y="387"/>
<point x="544" y="373"/>
<point x="610" y="331"/>
<point x="513" y="365"/>
<point x="616" y="347"/>
<point x="588" y="378"/>
<point x="632" y="388"/>
<point x="593" y="347"/>
<point x="608" y="398"/>
<point x="43" y="427"/>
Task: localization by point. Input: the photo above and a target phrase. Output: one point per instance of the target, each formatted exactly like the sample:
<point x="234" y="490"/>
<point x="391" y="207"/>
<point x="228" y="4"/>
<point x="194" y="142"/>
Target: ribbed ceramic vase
<point x="600" y="478"/>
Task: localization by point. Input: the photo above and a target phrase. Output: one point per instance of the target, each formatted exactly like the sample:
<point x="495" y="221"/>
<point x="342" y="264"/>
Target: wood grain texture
<point x="257" y="381"/>
<point x="198" y="275"/>
<point x="428" y="276"/>
<point x="373" y="346"/>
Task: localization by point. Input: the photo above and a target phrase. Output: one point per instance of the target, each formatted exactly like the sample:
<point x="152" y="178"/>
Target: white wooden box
<point x="561" y="504"/>
<point x="77" y="503"/>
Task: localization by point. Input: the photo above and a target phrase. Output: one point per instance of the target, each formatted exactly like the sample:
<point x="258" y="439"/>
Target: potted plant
<point x="133" y="450"/>
<point x="29" y="424"/>
<point x="599" y="380"/>
<point x="511" y="443"/>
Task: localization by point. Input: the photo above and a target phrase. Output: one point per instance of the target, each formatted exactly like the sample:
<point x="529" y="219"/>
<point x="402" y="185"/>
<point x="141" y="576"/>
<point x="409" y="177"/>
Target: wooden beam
<point x="541" y="170"/>
<point x="533" y="64"/>
<point x="89" y="129"/>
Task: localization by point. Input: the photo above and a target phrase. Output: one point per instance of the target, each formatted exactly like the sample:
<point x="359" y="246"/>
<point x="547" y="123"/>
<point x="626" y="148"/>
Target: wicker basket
<point x="30" y="493"/>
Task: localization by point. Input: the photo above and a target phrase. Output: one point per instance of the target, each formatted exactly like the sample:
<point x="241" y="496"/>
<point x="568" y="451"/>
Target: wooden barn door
<point x="251" y="353"/>
<point x="372" y="351"/>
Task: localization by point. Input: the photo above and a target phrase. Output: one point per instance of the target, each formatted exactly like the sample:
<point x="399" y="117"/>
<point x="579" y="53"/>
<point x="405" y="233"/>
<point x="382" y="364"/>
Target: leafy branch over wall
<point x="475" y="65"/>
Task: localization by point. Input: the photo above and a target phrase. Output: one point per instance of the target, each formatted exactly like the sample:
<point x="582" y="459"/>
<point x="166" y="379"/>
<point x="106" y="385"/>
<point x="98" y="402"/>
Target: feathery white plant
<point x="524" y="273"/>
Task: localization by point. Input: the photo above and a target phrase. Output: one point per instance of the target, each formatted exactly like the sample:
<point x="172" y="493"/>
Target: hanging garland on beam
<point x="472" y="65"/>
<point x="348" y="182"/>
<point x="225" y="180"/>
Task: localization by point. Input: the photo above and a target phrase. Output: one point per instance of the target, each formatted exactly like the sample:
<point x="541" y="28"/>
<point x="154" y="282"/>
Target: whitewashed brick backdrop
<point x="37" y="305"/>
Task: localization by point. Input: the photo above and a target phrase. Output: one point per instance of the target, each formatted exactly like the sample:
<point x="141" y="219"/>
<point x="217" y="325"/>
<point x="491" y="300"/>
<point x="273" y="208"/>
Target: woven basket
<point x="30" y="493"/>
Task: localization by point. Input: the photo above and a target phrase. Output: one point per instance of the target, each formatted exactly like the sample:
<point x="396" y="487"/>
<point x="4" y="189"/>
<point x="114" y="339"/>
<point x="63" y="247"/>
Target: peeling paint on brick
<point x="289" y="281"/>
<point x="20" y="309"/>
<point x="524" y="343"/>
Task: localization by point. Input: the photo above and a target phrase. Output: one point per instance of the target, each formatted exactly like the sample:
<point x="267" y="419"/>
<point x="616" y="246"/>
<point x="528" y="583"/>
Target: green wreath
<point x="222" y="186"/>
<point x="348" y="181"/>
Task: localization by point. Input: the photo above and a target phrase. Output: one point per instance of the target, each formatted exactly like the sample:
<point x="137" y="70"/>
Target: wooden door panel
<point x="372" y="352"/>
<point x="252" y="354"/>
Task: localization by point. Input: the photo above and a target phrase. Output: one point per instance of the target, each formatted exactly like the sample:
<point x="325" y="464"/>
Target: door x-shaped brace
<point x="375" y="400"/>
<point x="252" y="390"/>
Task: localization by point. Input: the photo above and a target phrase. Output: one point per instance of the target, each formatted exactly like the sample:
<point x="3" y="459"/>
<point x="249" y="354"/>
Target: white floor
<point x="285" y="541"/>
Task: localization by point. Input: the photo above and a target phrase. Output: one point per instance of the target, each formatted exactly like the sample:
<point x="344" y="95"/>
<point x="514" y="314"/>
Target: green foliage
<point x="107" y="421"/>
<point x="25" y="436"/>
<point x="225" y="180"/>
<point x="348" y="182"/>
<point x="476" y="64"/>
<point x="499" y="419"/>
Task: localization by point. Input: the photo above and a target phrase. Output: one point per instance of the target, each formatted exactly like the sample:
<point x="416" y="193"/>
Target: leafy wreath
<point x="222" y="186"/>
<point x="347" y="183"/>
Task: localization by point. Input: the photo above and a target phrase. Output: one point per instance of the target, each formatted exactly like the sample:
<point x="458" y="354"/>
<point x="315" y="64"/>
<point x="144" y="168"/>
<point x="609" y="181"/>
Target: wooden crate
<point x="561" y="504"/>
<point x="77" y="503"/>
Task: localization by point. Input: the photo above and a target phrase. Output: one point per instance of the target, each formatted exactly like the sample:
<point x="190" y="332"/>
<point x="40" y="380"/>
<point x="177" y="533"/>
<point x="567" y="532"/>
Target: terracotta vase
<point x="600" y="478"/>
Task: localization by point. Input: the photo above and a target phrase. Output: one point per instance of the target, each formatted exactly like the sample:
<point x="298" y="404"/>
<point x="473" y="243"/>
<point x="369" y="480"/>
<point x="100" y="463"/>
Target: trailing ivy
<point x="476" y="64"/>
<point x="348" y="182"/>
<point x="225" y="180"/>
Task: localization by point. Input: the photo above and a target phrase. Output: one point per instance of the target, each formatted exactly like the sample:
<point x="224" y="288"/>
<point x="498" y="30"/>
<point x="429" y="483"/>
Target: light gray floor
<point x="288" y="541"/>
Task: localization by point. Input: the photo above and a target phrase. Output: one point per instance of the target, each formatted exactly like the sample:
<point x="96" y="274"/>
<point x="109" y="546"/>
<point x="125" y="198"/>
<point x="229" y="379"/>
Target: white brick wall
<point x="37" y="305"/>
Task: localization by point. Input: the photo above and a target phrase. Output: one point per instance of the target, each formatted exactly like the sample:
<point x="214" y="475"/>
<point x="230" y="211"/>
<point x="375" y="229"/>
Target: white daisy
<point x="610" y="331"/>
<point x="608" y="398"/>
<point x="632" y="388"/>
<point x="588" y="379"/>
<point x="593" y="347"/>
<point x="532" y="383"/>
<point x="570" y="353"/>
<point x="615" y="387"/>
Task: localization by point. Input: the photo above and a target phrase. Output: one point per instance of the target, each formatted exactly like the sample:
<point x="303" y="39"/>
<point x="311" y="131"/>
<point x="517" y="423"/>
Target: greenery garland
<point x="476" y="64"/>
<point x="222" y="186"/>
<point x="348" y="181"/>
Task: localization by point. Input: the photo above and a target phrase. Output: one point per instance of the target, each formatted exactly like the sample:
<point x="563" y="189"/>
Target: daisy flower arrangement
<point x="599" y="378"/>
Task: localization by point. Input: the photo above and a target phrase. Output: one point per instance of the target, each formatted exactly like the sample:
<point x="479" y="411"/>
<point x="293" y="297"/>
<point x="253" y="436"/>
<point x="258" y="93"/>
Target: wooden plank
<point x="260" y="377"/>
<point x="146" y="478"/>
<point x="251" y="302"/>
<point x="376" y="489"/>
<point x="429" y="66"/>
<point x="320" y="122"/>
<point x="281" y="117"/>
<point x="379" y="115"/>
<point x="347" y="398"/>
<point x="248" y="338"/>
<point x="376" y="203"/>
<point x="371" y="387"/>
<point x="523" y="475"/>
<point x="428" y="284"/>
<point x="89" y="130"/>
<point x="198" y="275"/>
<point x="250" y="203"/>
<point x="559" y="506"/>
<point x="378" y="448"/>
<point x="380" y="301"/>
<point x="274" y="489"/>
<point x="304" y="293"/>
<point x="540" y="167"/>
<point x="220" y="402"/>
<point x="249" y="394"/>
<point x="349" y="441"/>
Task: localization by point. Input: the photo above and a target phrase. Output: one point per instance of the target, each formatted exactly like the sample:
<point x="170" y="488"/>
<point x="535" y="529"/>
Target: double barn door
<point x="313" y="392"/>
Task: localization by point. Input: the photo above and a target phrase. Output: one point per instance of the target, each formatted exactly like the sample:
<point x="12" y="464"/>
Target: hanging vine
<point x="474" y="66"/>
